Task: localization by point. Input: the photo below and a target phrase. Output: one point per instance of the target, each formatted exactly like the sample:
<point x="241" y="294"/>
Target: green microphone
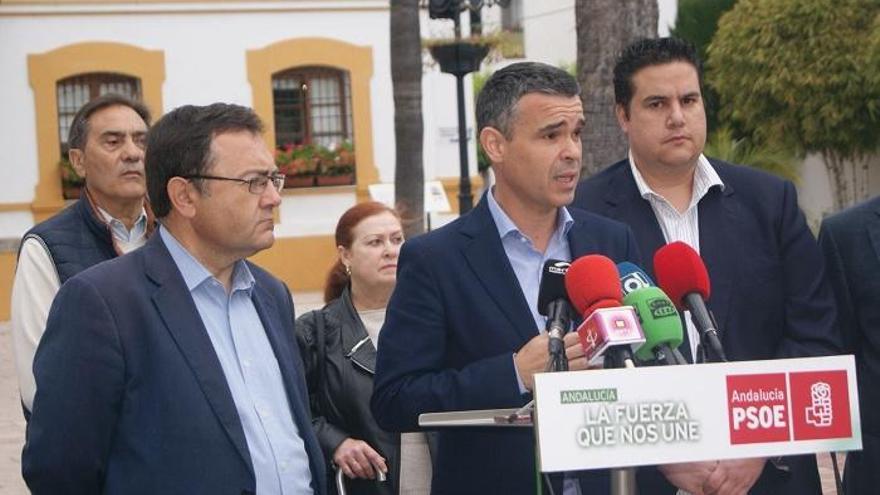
<point x="660" y="323"/>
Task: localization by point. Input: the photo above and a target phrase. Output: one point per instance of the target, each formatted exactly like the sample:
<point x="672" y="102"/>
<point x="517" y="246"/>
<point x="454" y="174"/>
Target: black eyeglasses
<point x="257" y="185"/>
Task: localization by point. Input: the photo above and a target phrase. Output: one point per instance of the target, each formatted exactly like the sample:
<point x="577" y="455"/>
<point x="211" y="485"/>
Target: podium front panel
<point x="664" y="414"/>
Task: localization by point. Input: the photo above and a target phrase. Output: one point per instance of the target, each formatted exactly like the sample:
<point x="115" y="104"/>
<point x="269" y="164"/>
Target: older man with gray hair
<point x="106" y="143"/>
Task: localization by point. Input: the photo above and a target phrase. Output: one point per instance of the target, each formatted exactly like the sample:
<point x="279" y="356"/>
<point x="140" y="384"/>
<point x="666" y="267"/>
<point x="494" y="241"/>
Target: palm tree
<point x="604" y="29"/>
<point x="406" y="77"/>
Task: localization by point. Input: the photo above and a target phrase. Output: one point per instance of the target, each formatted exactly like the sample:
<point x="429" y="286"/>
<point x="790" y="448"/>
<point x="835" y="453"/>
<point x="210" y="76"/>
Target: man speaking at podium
<point x="463" y="330"/>
<point x="769" y="293"/>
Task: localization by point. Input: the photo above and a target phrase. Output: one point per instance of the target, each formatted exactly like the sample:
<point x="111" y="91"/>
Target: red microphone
<point x="682" y="274"/>
<point x="593" y="286"/>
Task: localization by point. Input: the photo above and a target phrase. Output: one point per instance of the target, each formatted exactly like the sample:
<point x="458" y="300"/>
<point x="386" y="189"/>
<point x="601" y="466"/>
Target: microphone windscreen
<point x="660" y="320"/>
<point x="681" y="271"/>
<point x="552" y="284"/>
<point x="632" y="277"/>
<point x="593" y="282"/>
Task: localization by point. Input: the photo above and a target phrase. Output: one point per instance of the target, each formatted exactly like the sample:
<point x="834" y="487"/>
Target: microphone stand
<point x="710" y="349"/>
<point x="559" y="318"/>
<point x="558" y="361"/>
<point x="623" y="480"/>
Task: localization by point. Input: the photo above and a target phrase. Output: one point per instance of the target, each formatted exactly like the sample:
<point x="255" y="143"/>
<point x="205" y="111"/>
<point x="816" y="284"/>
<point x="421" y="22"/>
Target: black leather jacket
<point x="341" y="408"/>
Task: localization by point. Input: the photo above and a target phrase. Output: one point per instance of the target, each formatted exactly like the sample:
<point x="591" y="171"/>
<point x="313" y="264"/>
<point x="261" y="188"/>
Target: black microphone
<point x="553" y="303"/>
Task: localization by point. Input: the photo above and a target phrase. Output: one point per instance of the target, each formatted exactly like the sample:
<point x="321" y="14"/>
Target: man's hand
<point x="734" y="476"/>
<point x="356" y="459"/>
<point x="574" y="352"/>
<point x="689" y="476"/>
<point x="533" y="357"/>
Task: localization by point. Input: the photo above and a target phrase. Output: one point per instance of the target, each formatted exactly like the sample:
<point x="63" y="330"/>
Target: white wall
<point x="549" y="31"/>
<point x="814" y="187"/>
<point x="550" y="34"/>
<point x="18" y="138"/>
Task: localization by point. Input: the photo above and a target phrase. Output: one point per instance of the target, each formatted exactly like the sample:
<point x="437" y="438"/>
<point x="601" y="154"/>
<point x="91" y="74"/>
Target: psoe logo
<point x="758" y="408"/>
<point x="820" y="405"/>
<point x="820" y="413"/>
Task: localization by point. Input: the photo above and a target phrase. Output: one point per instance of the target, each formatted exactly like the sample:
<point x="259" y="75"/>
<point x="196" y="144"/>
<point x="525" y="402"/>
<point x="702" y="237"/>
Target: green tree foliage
<point x="697" y="21"/>
<point x="722" y="144"/>
<point x="872" y="59"/>
<point x="799" y="72"/>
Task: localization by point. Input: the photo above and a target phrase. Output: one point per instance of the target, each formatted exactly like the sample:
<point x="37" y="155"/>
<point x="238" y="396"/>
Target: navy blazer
<point x="769" y="292"/>
<point x="455" y="319"/>
<point x="131" y="398"/>
<point x="851" y="243"/>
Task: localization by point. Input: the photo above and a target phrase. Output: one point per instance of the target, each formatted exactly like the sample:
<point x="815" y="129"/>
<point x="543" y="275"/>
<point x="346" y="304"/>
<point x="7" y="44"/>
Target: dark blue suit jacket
<point x="769" y="294"/>
<point x="456" y="317"/>
<point x="851" y="242"/>
<point x="131" y="397"/>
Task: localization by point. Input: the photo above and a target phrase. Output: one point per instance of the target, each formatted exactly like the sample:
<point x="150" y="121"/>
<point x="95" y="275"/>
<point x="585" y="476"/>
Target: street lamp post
<point x="465" y="197"/>
<point x="460" y="58"/>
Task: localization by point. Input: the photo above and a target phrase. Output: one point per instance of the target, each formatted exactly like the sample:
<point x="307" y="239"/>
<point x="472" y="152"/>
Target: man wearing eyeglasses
<point x="106" y="142"/>
<point x="173" y="369"/>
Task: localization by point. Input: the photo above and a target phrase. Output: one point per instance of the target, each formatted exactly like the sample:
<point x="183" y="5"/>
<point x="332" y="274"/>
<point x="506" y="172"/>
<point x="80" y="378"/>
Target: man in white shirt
<point x="769" y="293"/>
<point x="106" y="144"/>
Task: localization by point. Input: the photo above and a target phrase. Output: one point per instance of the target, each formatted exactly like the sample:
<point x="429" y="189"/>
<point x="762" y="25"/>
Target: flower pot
<point x="336" y="180"/>
<point x="459" y="58"/>
<point x="292" y="181"/>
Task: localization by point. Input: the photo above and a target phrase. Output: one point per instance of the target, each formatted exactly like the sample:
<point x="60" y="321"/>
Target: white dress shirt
<point x="684" y="227"/>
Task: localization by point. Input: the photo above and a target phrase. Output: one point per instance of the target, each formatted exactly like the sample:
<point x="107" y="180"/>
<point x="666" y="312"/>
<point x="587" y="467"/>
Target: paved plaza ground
<point x="12" y="423"/>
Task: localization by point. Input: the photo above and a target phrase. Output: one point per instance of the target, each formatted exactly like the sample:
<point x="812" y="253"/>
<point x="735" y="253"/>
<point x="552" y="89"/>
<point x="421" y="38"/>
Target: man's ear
<point x="76" y="158"/>
<point x="494" y="144"/>
<point x="622" y="117"/>
<point x="182" y="194"/>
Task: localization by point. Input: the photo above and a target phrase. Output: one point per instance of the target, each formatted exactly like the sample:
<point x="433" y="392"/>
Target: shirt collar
<point x="705" y="177"/>
<point x="120" y="232"/>
<point x="506" y="227"/>
<point x="195" y="274"/>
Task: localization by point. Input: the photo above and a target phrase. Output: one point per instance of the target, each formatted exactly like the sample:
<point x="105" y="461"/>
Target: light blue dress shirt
<point x="120" y="232"/>
<point x="528" y="262"/>
<point x="126" y="240"/>
<point x="280" y="461"/>
<point x="528" y="265"/>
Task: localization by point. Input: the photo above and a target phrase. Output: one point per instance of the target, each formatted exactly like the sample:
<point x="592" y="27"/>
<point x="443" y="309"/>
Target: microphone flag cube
<point x="608" y="327"/>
